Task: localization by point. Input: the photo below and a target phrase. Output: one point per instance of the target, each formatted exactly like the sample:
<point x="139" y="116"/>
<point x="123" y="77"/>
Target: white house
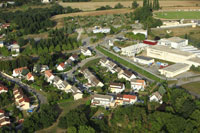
<point x="61" y="67"/>
<point x="156" y="97"/>
<point x="102" y="100"/>
<point x="143" y="60"/>
<point x="116" y="87"/>
<point x="4" y="120"/>
<point x="3" y="89"/>
<point x="126" y="75"/>
<point x="125" y="99"/>
<point x="174" y="42"/>
<point x="86" y="52"/>
<point x="110" y="65"/>
<point x="132" y="50"/>
<point x="17" y="72"/>
<point x="1" y="44"/>
<point x="101" y="30"/>
<point x="110" y="43"/>
<point x="77" y="94"/>
<point x="138" y="85"/>
<point x="74" y="57"/>
<point x="141" y="31"/>
<point x="29" y="77"/>
<point x="46" y="1"/>
<point x="49" y="76"/>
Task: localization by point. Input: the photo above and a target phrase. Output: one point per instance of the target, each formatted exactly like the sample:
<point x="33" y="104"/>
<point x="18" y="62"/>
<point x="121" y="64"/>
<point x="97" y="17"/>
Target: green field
<point x="193" y="87"/>
<point x="179" y="15"/>
<point x="129" y="65"/>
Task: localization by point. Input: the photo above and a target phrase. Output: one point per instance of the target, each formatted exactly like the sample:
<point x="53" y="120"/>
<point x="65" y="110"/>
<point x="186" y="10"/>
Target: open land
<point x="193" y="87"/>
<point x="179" y="15"/>
<point x="88" y="6"/>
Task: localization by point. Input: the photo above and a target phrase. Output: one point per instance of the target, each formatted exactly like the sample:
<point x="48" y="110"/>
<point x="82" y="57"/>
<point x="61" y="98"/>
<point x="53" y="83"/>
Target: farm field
<point x="179" y="15"/>
<point x="88" y="6"/>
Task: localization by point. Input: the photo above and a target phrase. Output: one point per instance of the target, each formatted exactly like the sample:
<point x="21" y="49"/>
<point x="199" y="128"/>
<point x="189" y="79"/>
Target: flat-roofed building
<point x="173" y="55"/>
<point x="143" y="60"/>
<point x="116" y="87"/>
<point x="102" y="100"/>
<point x="174" y="70"/>
<point x="174" y="42"/>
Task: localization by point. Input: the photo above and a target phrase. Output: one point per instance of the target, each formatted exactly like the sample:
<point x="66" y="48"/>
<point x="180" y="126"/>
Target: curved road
<point x="41" y="98"/>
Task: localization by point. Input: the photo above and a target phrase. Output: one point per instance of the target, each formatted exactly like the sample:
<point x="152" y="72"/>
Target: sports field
<point x="178" y="15"/>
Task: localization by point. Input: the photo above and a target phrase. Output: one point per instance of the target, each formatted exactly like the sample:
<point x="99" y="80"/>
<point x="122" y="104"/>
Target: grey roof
<point x="175" y="67"/>
<point x="56" y="79"/>
<point x="102" y="96"/>
<point x="176" y="39"/>
<point x="144" y="58"/>
<point x="170" y="50"/>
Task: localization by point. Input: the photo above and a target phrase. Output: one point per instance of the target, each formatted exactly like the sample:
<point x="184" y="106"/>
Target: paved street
<point x="42" y="99"/>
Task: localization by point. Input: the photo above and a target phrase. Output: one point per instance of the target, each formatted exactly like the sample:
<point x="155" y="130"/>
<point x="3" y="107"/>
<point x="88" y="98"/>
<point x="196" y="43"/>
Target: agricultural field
<point x="178" y="15"/>
<point x="88" y="6"/>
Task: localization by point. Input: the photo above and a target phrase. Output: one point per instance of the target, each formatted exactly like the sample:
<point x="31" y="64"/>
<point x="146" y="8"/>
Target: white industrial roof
<point x="175" y="67"/>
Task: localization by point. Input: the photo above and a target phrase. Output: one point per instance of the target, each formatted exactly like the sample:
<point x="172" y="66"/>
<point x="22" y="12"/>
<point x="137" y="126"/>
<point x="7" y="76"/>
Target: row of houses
<point x="62" y="85"/>
<point x="4" y="119"/>
<point x="111" y="101"/>
<point x="21" y="100"/>
<point x="136" y="84"/>
<point x="23" y="72"/>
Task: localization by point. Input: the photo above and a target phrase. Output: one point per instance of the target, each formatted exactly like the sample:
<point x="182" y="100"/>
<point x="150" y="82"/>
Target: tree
<point x="86" y="129"/>
<point x="135" y="4"/>
<point x="71" y="130"/>
<point x="118" y="6"/>
<point x="58" y="49"/>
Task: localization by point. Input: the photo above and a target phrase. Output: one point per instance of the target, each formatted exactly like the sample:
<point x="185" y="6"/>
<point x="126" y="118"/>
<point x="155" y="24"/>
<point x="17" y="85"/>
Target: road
<point x="41" y="99"/>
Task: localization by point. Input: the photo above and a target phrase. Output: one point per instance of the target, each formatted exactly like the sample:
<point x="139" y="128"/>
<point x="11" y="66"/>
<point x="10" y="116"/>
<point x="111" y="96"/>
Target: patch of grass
<point x="89" y="63"/>
<point x="129" y="65"/>
<point x="179" y="15"/>
<point x="193" y="87"/>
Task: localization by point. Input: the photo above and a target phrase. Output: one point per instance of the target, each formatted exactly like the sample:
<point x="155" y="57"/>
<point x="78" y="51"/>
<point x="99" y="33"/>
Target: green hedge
<point x="129" y="65"/>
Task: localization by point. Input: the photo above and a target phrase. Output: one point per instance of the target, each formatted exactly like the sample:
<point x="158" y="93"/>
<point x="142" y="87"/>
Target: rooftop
<point x="170" y="50"/>
<point x="144" y="58"/>
<point x="102" y="96"/>
<point x="176" y="39"/>
<point x="175" y="67"/>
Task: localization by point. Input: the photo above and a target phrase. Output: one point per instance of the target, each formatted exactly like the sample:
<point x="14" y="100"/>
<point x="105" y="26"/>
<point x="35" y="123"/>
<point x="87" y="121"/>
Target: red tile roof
<point x="3" y="87"/>
<point x="48" y="73"/>
<point x="2" y="111"/>
<point x="62" y="64"/>
<point x="129" y="96"/>
<point x="19" y="70"/>
<point x="29" y="75"/>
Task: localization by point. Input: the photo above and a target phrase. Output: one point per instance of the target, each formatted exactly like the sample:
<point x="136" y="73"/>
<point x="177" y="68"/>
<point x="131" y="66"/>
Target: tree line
<point x="107" y="7"/>
<point x="152" y="4"/>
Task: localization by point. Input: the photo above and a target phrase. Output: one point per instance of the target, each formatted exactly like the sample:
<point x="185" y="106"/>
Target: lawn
<point x="129" y="65"/>
<point x="179" y="15"/>
<point x="193" y="87"/>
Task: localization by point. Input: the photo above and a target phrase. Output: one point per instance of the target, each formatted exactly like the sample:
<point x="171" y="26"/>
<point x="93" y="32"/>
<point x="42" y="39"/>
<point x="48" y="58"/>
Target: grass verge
<point x="179" y="15"/>
<point x="129" y="65"/>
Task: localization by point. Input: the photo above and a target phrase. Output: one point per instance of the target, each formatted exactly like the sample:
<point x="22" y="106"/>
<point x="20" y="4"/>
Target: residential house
<point x="110" y="65"/>
<point x="29" y="77"/>
<point x="126" y="75"/>
<point x="18" y="71"/>
<point x="144" y="60"/>
<point x="15" y="48"/>
<point x="101" y="30"/>
<point x="40" y="68"/>
<point x="125" y="99"/>
<point x="21" y="100"/>
<point x="61" y="66"/>
<point x="116" y="87"/>
<point x="74" y="57"/>
<point x="156" y="97"/>
<point x="49" y="76"/>
<point x="102" y="100"/>
<point x="61" y="85"/>
<point x="3" y="89"/>
<point x="1" y="44"/>
<point x="4" y="120"/>
<point x="46" y="1"/>
<point x="86" y="52"/>
<point x="141" y="31"/>
<point x="92" y="80"/>
<point x="77" y="94"/>
<point x="138" y="85"/>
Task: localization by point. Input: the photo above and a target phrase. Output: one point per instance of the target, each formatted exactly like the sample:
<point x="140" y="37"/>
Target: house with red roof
<point x="138" y="85"/>
<point x="29" y="77"/>
<point x="18" y="71"/>
<point x="4" y="120"/>
<point x="3" y="89"/>
<point x="61" y="66"/>
<point x="49" y="76"/>
<point x="21" y="100"/>
<point x="125" y="99"/>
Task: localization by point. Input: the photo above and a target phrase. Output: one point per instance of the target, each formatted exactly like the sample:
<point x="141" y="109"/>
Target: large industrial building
<point x="174" y="42"/>
<point x="174" y="70"/>
<point x="173" y="55"/>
